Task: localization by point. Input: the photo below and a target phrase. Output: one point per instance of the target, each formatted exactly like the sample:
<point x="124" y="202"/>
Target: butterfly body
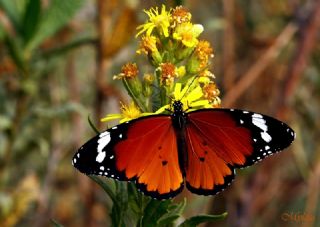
<point x="199" y="149"/>
<point x="179" y="121"/>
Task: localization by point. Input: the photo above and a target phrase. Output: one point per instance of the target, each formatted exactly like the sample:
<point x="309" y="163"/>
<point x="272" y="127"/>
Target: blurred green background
<point x="57" y="60"/>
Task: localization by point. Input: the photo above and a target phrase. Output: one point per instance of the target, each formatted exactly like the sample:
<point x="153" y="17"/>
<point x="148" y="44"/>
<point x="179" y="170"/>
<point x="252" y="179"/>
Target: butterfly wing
<point x="142" y="150"/>
<point x="220" y="140"/>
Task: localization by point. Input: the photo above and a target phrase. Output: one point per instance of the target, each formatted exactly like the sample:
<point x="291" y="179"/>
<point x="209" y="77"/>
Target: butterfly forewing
<point x="144" y="150"/>
<point x="239" y="137"/>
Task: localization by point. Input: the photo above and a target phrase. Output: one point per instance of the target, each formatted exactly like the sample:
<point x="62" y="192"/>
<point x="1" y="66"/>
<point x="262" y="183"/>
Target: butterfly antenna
<point x="159" y="90"/>
<point x="193" y="79"/>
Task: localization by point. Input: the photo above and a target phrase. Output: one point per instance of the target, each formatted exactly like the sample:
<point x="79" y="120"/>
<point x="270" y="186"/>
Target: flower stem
<point x="136" y="100"/>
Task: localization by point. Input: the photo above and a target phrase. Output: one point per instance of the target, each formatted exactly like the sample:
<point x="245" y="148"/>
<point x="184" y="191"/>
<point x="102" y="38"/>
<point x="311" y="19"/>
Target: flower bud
<point x="167" y="73"/>
<point x="211" y="93"/>
<point x="193" y="65"/>
<point x="180" y="15"/>
<point x="128" y="71"/>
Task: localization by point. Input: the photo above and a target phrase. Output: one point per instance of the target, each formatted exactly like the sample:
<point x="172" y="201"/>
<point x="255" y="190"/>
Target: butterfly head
<point x="177" y="107"/>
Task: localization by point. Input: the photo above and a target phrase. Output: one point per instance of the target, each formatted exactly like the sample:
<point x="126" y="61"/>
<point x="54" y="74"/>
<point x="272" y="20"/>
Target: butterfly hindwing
<point x="143" y="150"/>
<point x="206" y="172"/>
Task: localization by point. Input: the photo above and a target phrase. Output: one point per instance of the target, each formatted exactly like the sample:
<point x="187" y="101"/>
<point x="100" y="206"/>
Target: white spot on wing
<point x="100" y="157"/>
<point x="258" y="121"/>
<point x="74" y="160"/>
<point x="255" y="115"/>
<point x="102" y="143"/>
<point x="267" y="147"/>
<point x="102" y="168"/>
<point x="265" y="136"/>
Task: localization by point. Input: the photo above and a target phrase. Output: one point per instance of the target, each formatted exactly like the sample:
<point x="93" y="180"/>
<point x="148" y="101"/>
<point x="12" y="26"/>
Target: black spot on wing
<point x="164" y="162"/>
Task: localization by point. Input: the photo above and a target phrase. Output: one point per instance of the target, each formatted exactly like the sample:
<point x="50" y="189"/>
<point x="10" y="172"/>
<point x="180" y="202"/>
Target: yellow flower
<point x="181" y="71"/>
<point x="191" y="97"/>
<point x="160" y="21"/>
<point x="203" y="52"/>
<point x="205" y="77"/>
<point x="188" y="33"/>
<point x="148" y="78"/>
<point x="128" y="113"/>
<point x="148" y="44"/>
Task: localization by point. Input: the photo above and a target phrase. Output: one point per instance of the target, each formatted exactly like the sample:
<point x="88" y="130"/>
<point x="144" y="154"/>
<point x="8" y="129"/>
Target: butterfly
<point x="200" y="149"/>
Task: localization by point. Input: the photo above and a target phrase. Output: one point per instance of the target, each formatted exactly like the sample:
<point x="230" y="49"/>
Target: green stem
<point x="65" y="48"/>
<point x="136" y="100"/>
<point x="20" y="110"/>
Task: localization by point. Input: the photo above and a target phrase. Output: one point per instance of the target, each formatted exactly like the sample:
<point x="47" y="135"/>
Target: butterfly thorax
<point x="178" y="115"/>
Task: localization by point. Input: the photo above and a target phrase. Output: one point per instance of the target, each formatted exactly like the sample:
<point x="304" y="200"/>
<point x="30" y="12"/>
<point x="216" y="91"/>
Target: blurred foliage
<point x="48" y="69"/>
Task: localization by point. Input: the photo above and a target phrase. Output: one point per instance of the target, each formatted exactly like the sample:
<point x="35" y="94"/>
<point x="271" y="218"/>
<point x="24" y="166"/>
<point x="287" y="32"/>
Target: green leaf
<point x="134" y="200"/>
<point x="11" y="10"/>
<point x="31" y="19"/>
<point x="2" y="33"/>
<point x="174" y="212"/>
<point x="105" y="187"/>
<point x="137" y="203"/>
<point x="154" y="210"/>
<point x="196" y="220"/>
<point x="15" y="51"/>
<point x="54" y="18"/>
<point x="55" y="223"/>
<point x="120" y="208"/>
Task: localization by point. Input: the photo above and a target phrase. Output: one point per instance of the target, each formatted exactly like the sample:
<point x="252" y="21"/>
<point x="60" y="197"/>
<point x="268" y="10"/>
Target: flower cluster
<point x="179" y="66"/>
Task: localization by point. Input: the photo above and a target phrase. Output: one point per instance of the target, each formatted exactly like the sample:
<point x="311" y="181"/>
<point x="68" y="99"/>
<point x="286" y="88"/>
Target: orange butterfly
<point x="201" y="149"/>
